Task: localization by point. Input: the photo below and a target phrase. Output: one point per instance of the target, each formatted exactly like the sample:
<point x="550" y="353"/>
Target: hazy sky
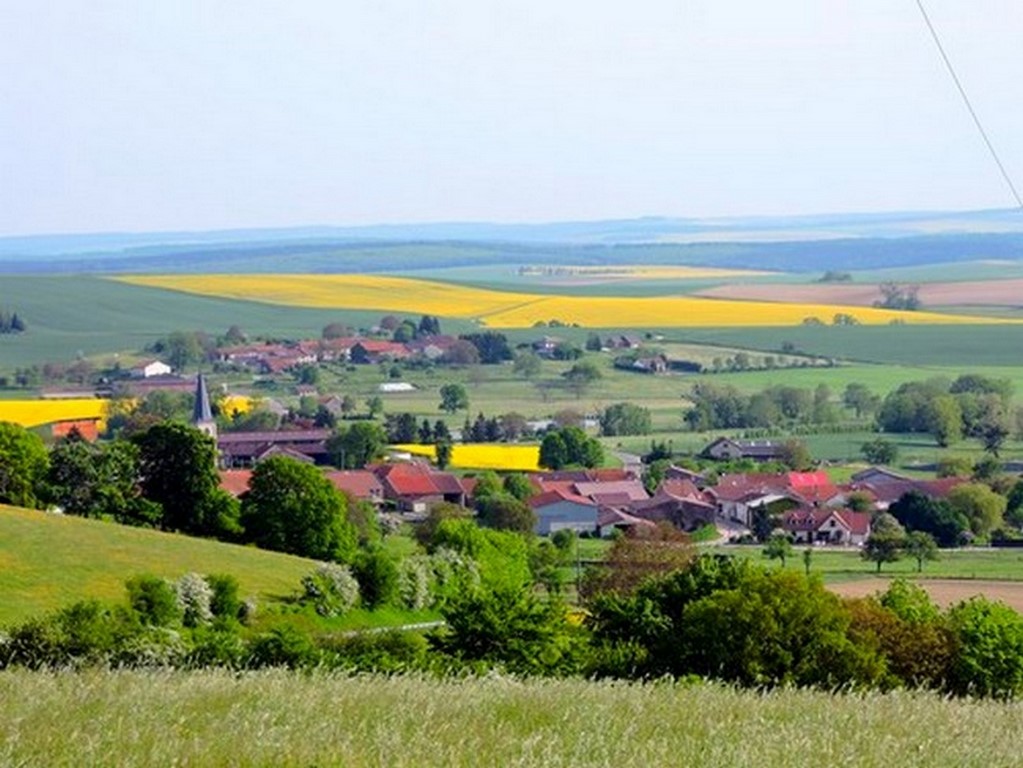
<point x="199" y="114"/>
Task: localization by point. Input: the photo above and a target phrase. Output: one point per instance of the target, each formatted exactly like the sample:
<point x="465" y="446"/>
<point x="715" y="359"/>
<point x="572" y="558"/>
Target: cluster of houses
<point x="277" y="357"/>
<point x="811" y="508"/>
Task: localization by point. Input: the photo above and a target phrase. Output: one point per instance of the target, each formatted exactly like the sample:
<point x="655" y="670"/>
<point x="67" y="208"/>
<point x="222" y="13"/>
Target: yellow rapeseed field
<point x="500" y="309"/>
<point x="523" y="458"/>
<point x="33" y="413"/>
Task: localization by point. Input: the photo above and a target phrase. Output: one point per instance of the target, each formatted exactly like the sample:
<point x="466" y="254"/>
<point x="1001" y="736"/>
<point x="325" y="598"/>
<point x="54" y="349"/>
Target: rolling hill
<point x="48" y="561"/>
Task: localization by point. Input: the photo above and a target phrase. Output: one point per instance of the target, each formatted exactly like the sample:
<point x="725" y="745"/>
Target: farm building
<point x="727" y="448"/>
<point x="150" y="369"/>
<point x="558" y="510"/>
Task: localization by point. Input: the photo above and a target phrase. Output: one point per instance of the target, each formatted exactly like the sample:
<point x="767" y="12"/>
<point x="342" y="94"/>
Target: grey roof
<point x="202" y="413"/>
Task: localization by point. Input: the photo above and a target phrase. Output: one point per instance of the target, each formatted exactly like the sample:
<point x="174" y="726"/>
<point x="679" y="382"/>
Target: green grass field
<point x="964" y="347"/>
<point x="48" y="561"/>
<point x="68" y="315"/>
<point x="283" y="719"/>
<point x="845" y="565"/>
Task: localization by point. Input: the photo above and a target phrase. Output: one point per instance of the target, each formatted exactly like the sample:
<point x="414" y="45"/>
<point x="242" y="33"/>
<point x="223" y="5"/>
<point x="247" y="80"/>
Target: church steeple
<point x="202" y="415"/>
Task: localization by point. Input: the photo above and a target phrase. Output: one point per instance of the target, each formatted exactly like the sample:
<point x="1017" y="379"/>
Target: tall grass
<point x="283" y="719"/>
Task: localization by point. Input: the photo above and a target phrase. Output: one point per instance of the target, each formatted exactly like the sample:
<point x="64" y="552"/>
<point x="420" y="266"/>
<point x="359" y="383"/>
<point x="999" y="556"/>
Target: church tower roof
<point x="203" y="413"/>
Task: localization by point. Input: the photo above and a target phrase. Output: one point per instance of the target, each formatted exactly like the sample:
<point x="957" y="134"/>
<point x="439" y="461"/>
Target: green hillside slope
<point x="47" y="561"/>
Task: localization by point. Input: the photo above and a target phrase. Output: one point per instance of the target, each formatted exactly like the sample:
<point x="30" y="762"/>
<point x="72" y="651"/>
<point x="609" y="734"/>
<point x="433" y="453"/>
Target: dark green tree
<point x="625" y="419"/>
<point x="23" y="466"/>
<point x="917" y="512"/>
<point x="375" y="406"/>
<point x="861" y="400"/>
<point x="401" y="427"/>
<point x="553" y="452"/>
<point x="518" y="485"/>
<point x="358" y="444"/>
<point x="492" y="346"/>
<point x="99" y="481"/>
<point x="443" y="449"/>
<point x="181" y="349"/>
<point x="178" y="470"/>
<point x="453" y="398"/>
<point x="377" y="576"/>
<point x="291" y="507"/>
<point x="504" y="512"/>
<point x="880" y="451"/>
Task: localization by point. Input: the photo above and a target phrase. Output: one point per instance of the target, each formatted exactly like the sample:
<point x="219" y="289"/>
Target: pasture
<point x="279" y="718"/>
<point x="1004" y="293"/>
<point x="841" y="565"/>
<point x="962" y="347"/>
<point x="48" y="561"/>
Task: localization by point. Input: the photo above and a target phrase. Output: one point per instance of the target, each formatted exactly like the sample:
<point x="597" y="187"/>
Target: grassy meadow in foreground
<point x="48" y="561"/>
<point x="286" y="719"/>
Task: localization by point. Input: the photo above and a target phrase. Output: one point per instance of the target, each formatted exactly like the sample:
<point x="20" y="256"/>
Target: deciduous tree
<point x="23" y="465"/>
<point x="291" y="507"/>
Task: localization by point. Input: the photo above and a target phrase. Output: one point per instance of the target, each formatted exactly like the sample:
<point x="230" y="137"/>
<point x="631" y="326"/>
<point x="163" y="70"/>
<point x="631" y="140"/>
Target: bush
<point x="194" y="599"/>
<point x="776" y="628"/>
<point x="215" y="647"/>
<point x="377" y="576"/>
<point x="989" y="658"/>
<point x="510" y="627"/>
<point x="283" y="647"/>
<point x="224" y="600"/>
<point x="154" y="600"/>
<point x="392" y="651"/>
<point x="453" y="573"/>
<point x="332" y="589"/>
<point x="414" y="583"/>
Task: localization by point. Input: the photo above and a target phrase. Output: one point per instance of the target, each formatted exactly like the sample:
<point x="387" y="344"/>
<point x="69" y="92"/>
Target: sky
<point x="205" y="114"/>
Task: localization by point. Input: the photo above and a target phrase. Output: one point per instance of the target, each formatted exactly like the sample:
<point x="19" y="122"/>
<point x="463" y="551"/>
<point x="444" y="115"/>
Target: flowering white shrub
<point x="194" y="596"/>
<point x="332" y="589"/>
<point x="453" y="573"/>
<point x="414" y="583"/>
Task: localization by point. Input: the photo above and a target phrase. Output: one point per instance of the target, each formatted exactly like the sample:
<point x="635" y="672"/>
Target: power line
<point x="969" y="106"/>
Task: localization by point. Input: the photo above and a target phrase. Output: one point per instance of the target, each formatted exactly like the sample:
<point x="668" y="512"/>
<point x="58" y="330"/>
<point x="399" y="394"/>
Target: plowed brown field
<point x="944" y="592"/>
<point x="998" y="293"/>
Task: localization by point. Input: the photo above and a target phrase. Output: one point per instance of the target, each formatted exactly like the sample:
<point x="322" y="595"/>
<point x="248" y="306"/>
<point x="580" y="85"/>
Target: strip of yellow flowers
<point x="521" y="458"/>
<point x="499" y="309"/>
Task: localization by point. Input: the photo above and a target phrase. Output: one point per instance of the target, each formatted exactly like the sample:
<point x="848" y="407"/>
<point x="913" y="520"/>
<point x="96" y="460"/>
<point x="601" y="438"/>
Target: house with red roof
<point x="368" y="351"/>
<point x="235" y="481"/>
<point x="678" y="502"/>
<point x="826" y="526"/>
<point x="889" y="490"/>
<point x="413" y="486"/>
<point x="360" y="484"/>
<point x="736" y="496"/>
<point x="611" y="519"/>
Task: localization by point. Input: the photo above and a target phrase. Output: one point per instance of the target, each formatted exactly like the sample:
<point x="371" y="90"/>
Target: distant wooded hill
<point x="329" y="255"/>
